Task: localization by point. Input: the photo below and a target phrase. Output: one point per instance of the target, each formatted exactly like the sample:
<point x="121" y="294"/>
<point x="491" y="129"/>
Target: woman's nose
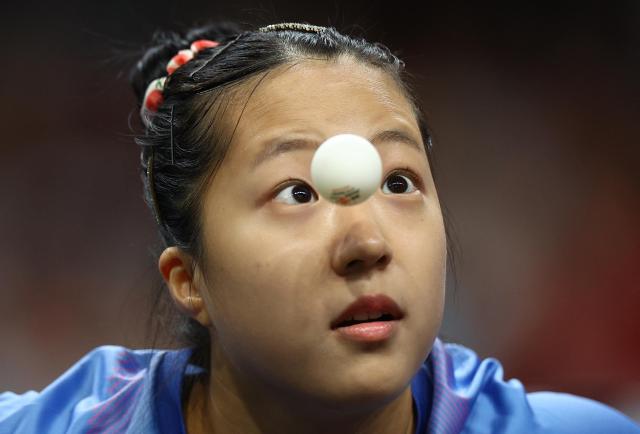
<point x="360" y="247"/>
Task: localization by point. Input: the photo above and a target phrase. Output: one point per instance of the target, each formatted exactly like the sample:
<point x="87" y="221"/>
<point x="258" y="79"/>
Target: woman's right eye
<point x="297" y="193"/>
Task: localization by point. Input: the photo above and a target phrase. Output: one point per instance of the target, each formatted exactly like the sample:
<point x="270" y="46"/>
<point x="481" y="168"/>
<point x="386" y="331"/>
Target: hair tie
<point x="153" y="96"/>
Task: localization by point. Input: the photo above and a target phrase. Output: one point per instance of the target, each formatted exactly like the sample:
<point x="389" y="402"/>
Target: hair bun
<point x="164" y="45"/>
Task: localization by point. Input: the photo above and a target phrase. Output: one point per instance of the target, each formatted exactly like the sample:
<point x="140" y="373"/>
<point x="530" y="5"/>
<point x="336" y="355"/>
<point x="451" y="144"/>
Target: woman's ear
<point x="185" y="289"/>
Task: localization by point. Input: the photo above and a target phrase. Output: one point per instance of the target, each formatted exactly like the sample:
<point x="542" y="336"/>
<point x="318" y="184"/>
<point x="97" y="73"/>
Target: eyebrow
<point x="277" y="147"/>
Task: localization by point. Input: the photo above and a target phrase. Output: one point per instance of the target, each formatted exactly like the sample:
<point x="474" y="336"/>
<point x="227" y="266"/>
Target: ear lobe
<point x="175" y="268"/>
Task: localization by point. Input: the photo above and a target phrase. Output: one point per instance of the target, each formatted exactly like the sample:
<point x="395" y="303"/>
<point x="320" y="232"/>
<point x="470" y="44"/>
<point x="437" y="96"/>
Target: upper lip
<point x="369" y="304"/>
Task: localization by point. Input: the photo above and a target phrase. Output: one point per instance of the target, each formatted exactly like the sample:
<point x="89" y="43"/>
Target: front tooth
<point x="361" y="317"/>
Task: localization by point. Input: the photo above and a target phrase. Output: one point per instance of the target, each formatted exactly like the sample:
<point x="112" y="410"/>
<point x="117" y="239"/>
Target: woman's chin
<point x="356" y="399"/>
<point x="365" y="387"/>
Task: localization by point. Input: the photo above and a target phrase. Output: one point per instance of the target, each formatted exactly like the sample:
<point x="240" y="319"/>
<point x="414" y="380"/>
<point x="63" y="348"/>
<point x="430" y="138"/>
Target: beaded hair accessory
<point x="153" y="95"/>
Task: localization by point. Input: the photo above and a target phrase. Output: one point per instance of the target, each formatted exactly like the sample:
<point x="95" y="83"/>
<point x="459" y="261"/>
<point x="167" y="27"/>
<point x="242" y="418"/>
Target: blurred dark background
<point x="535" y="108"/>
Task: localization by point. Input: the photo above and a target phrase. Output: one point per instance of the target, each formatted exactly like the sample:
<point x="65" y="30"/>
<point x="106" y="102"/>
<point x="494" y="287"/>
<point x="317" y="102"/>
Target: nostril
<point x="383" y="260"/>
<point x="353" y="264"/>
<point x="357" y="264"/>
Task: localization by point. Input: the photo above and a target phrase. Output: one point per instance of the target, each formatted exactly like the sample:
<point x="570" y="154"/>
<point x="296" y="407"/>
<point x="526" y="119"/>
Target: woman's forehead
<point x="318" y="85"/>
<point x="323" y="97"/>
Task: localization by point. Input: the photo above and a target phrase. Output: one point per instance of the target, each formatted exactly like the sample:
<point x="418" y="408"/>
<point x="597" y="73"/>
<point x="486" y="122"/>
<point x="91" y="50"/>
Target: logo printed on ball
<point x="345" y="195"/>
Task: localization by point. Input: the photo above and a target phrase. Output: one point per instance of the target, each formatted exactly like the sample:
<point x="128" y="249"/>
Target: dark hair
<point x="186" y="140"/>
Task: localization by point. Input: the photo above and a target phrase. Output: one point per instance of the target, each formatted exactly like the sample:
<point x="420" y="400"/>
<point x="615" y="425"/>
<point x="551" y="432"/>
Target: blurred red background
<point x="535" y="110"/>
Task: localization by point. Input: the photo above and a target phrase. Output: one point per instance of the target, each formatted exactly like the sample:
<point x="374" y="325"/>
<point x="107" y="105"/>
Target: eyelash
<point x="406" y="171"/>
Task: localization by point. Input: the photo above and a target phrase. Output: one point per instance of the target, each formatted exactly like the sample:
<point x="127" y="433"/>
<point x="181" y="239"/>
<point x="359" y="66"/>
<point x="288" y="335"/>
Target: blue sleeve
<point x="564" y="413"/>
<point x="478" y="394"/>
<point x="65" y="404"/>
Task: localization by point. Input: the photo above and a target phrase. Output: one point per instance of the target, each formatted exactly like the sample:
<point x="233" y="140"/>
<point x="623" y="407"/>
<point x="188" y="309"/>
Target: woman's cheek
<point x="257" y="298"/>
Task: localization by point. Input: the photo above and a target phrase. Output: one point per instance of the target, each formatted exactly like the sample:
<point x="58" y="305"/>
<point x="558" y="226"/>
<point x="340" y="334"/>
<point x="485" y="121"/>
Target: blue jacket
<point x="118" y="390"/>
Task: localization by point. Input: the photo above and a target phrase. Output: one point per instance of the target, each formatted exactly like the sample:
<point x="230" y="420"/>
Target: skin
<point x="279" y="270"/>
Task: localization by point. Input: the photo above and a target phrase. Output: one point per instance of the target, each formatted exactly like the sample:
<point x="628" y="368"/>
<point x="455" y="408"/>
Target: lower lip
<point x="369" y="331"/>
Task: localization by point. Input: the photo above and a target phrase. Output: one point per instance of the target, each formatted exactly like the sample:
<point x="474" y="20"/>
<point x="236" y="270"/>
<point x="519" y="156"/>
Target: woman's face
<point x="282" y="267"/>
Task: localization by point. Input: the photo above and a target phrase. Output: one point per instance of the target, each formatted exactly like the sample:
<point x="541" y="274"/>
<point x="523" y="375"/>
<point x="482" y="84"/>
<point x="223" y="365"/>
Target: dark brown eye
<point x="296" y="194"/>
<point x="301" y="193"/>
<point x="398" y="184"/>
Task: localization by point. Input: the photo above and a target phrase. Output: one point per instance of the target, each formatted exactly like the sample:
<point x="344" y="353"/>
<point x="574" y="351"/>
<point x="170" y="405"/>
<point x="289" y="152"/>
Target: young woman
<point x="298" y="315"/>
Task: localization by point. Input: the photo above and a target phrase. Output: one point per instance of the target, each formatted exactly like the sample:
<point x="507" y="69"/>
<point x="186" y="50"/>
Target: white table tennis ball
<point x="346" y="169"/>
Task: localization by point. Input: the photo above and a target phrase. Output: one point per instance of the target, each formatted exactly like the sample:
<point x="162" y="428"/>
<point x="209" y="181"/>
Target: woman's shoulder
<point x="472" y="391"/>
<point x="101" y="387"/>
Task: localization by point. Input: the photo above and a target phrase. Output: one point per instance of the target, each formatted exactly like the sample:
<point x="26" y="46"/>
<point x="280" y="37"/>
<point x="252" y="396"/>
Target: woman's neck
<point x="214" y="407"/>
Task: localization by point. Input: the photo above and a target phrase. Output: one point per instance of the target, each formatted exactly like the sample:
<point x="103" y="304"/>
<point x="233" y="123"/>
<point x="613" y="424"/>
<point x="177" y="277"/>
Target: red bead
<point x="201" y="44"/>
<point x="153" y="101"/>
<point x="178" y="60"/>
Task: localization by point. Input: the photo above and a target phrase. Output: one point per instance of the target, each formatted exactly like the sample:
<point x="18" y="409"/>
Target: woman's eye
<point x="397" y="183"/>
<point x="294" y="194"/>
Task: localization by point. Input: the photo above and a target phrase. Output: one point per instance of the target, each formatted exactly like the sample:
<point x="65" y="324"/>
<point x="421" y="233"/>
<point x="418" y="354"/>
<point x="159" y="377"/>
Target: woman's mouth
<point x="371" y="318"/>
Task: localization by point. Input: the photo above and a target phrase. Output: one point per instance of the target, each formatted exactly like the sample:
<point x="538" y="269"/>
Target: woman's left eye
<point x="296" y="193"/>
<point x="398" y="183"/>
